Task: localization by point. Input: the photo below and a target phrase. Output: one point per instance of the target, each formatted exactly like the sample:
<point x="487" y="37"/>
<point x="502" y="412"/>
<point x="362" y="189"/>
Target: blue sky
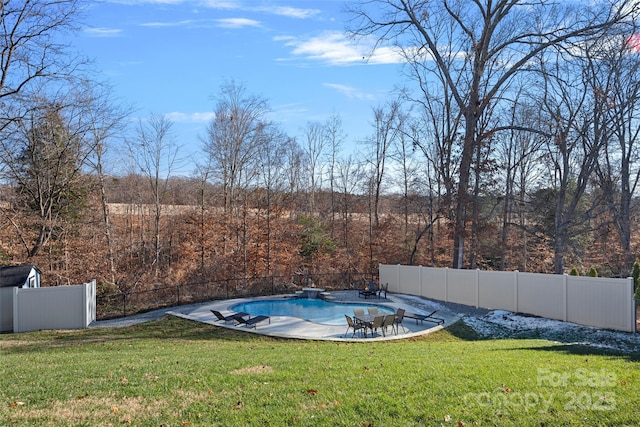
<point x="171" y="57"/>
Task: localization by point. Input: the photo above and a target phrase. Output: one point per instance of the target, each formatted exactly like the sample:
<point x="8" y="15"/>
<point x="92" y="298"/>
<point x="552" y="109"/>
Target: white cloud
<point x="222" y="23"/>
<point x="330" y="47"/>
<point x="220" y="4"/>
<point x="237" y="23"/>
<point x="292" y="12"/>
<point x="169" y="24"/>
<point x="350" y="91"/>
<point x="335" y="48"/>
<point x="178" y="117"/>
<point x="102" y="32"/>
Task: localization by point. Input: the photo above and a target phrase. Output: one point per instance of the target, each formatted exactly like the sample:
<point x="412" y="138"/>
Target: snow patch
<point x="505" y="324"/>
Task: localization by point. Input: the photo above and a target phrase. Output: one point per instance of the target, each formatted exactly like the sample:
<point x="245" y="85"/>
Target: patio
<point x="292" y="327"/>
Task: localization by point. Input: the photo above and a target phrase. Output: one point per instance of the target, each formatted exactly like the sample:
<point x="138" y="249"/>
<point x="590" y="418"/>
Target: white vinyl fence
<point x="56" y="307"/>
<point x="591" y="301"/>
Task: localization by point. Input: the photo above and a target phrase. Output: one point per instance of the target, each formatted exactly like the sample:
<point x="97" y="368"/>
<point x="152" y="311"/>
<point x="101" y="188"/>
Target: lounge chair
<point x="398" y="318"/>
<point x="356" y="326"/>
<point x="421" y="317"/>
<point x="389" y="320"/>
<point x="229" y="318"/>
<point x="252" y="321"/>
<point x="373" y="311"/>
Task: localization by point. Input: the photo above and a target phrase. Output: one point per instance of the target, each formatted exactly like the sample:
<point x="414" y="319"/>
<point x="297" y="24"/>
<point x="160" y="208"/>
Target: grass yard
<point x="174" y="372"/>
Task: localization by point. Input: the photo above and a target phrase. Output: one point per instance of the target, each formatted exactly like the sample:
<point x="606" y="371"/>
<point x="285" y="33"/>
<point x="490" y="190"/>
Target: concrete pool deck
<point x="296" y="328"/>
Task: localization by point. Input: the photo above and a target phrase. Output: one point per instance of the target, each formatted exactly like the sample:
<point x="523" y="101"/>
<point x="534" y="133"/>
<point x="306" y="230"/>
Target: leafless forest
<point x="512" y="143"/>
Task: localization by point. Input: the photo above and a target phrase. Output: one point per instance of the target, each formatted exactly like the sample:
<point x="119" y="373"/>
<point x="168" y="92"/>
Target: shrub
<point x="593" y="272"/>
<point x="635" y="273"/>
<point x="574" y="272"/>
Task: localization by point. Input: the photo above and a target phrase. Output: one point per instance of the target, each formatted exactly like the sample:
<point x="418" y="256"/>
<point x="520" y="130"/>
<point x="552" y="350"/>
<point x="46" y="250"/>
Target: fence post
<point x="566" y="293"/>
<point x="515" y="291"/>
<point x="124" y="304"/>
<point x="477" y="287"/>
<point x="446" y="284"/>
<point x="632" y="306"/>
<point x="178" y="294"/>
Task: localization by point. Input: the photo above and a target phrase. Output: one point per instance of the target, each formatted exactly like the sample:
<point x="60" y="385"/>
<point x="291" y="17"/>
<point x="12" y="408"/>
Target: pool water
<point x="315" y="310"/>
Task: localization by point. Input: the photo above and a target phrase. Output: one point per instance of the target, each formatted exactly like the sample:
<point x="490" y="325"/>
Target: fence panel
<point x="410" y="278"/>
<point x="462" y="286"/>
<point x="589" y="302"/>
<point x="56" y="307"/>
<point x="542" y="294"/>
<point x="599" y="302"/>
<point x="389" y="275"/>
<point x="434" y="283"/>
<point x="497" y="290"/>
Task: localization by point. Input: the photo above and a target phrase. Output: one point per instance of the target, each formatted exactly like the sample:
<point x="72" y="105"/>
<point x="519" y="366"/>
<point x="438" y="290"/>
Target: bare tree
<point x="32" y="54"/>
<point x="478" y="47"/>
<point x="518" y="152"/>
<point x="107" y="124"/>
<point x="387" y="123"/>
<point x="429" y="178"/>
<point x="233" y="144"/>
<point x="43" y="156"/>
<point x="32" y="58"/>
<point x="272" y="178"/>
<point x="155" y="153"/>
<point x="335" y="137"/>
<point x="293" y="161"/>
<point x="578" y="132"/>
<point x="314" y="146"/>
<point x="349" y="178"/>
<point x="618" y="170"/>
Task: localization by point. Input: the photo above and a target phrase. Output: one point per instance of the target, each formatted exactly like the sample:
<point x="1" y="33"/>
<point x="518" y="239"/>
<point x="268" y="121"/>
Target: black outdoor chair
<point x="252" y="321"/>
<point x="356" y="326"/>
<point x="229" y="318"/>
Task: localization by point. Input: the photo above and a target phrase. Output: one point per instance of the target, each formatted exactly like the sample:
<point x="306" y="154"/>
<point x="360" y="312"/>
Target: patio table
<point x="367" y="320"/>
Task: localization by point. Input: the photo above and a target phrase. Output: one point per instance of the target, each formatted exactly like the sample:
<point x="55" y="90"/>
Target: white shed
<point x="17" y="276"/>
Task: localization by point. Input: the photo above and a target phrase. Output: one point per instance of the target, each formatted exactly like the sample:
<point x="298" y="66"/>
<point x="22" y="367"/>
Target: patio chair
<point x="398" y="318"/>
<point x="389" y="320"/>
<point x="369" y="290"/>
<point x="252" y="321"/>
<point x="376" y="324"/>
<point x="383" y="289"/>
<point x="229" y="318"/>
<point x="422" y="317"/>
<point x="358" y="312"/>
<point x="373" y="311"/>
<point x="356" y="326"/>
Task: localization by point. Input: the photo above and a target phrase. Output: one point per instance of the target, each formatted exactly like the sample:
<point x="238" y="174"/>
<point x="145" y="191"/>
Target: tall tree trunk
<point x="105" y="219"/>
<point x="460" y="220"/>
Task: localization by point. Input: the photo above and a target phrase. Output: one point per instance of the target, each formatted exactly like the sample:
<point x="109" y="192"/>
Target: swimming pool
<point x="315" y="310"/>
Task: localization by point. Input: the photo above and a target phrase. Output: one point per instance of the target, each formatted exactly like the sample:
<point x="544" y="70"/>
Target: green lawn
<point x="174" y="372"/>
